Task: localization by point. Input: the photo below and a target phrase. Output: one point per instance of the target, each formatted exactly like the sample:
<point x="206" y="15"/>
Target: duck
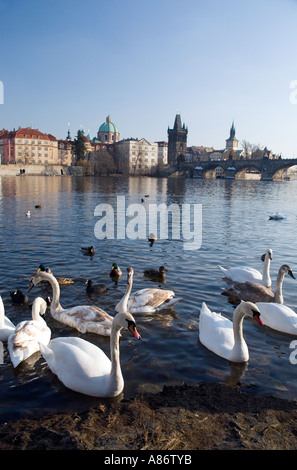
<point x="28" y="213"/>
<point x="6" y="325"/>
<point x="115" y="272"/>
<point x="84" y="318"/>
<point x="25" y="340"/>
<point x="152" y="238"/>
<point x="18" y="297"/>
<point x="83" y="367"/>
<point x="63" y="281"/>
<point x="225" y="337"/>
<point x="258" y="293"/>
<point x="88" y="250"/>
<point x="155" y="274"/>
<point x="279" y="317"/>
<point x="145" y="300"/>
<point x="276" y="216"/>
<point x="95" y="288"/>
<point x="38" y="206"/>
<point x="243" y="274"/>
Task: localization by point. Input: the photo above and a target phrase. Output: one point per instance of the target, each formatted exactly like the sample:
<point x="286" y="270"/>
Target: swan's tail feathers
<point x="204" y="308"/>
<point x="224" y="270"/>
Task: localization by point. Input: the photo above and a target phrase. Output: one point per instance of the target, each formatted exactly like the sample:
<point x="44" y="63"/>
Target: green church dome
<point x="108" y="127"/>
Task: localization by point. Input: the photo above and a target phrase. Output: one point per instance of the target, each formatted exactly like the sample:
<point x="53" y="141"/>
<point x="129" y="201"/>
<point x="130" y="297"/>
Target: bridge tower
<point x="232" y="142"/>
<point x="177" y="141"/>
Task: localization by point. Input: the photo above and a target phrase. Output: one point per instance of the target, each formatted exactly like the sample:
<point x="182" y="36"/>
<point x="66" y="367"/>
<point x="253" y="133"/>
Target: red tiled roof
<point x="27" y="132"/>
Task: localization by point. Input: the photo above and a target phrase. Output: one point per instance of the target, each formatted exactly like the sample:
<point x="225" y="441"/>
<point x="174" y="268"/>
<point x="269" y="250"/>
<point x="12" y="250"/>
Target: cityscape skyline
<point x="143" y="62"/>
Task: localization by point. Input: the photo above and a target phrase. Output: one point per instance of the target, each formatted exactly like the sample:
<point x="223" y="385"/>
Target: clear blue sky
<point x="143" y="61"/>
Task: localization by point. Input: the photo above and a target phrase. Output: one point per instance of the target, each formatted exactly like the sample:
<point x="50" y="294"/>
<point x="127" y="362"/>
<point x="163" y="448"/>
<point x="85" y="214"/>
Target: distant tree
<point x="251" y="150"/>
<point x="79" y="146"/>
<point x="103" y="162"/>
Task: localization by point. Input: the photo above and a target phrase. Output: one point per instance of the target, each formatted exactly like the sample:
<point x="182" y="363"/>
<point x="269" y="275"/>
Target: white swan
<point x="83" y="367"/>
<point x="224" y="337"/>
<point x="84" y="317"/>
<point x="243" y="274"/>
<point x="278" y="317"/>
<point x="6" y="326"/>
<point x="258" y="293"/>
<point x="28" y="334"/>
<point x="145" y="300"/>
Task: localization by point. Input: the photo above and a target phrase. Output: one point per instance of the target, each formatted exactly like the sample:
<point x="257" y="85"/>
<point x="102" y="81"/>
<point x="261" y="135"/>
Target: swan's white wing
<point x="242" y="274"/>
<point x="279" y="317"/>
<point x="85" y="318"/>
<point x="25" y="340"/>
<point x="148" y="300"/>
<point x="215" y="332"/>
<point x="79" y="364"/>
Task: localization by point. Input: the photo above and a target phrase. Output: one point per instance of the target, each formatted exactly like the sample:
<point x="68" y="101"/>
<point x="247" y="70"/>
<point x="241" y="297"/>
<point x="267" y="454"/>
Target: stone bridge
<point x="264" y="169"/>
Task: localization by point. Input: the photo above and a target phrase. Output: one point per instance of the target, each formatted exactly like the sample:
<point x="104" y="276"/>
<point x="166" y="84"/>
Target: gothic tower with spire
<point x="177" y="141"/>
<point x="232" y="142"/>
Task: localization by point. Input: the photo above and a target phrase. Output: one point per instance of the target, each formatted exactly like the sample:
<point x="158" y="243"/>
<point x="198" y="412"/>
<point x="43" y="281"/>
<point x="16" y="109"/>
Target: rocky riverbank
<point x="202" y="417"/>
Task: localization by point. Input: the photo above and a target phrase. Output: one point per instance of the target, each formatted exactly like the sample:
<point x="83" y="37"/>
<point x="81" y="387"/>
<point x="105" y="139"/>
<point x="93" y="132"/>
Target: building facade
<point x="162" y="152"/>
<point x="136" y="157"/>
<point x="28" y="146"/>
<point x="177" y="142"/>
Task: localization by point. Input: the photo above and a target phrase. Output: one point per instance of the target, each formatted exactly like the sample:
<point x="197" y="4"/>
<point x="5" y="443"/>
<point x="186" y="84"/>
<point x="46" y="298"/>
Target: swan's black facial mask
<point x="132" y="328"/>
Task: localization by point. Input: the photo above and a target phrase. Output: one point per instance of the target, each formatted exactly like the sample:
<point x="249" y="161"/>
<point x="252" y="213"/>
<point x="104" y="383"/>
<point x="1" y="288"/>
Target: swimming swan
<point x="278" y="317"/>
<point x="258" y="293"/>
<point x="6" y="326"/>
<point x="84" y="317"/>
<point x="83" y="367"/>
<point x="224" y="337"/>
<point x="145" y="300"/>
<point x="28" y="334"/>
<point x="243" y="274"/>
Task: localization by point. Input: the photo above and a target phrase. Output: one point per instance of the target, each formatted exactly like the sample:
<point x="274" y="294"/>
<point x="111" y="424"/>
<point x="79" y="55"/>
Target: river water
<point x="235" y="229"/>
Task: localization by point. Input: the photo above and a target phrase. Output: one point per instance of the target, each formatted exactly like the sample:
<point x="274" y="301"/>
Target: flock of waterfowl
<point x="85" y="368"/>
<point x="80" y="365"/>
<point x="250" y="291"/>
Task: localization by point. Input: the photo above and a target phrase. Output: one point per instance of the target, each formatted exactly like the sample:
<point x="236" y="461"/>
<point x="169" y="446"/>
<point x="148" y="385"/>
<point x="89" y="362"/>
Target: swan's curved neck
<point x="36" y="309"/>
<point x="122" y="306"/>
<point x="278" y="293"/>
<point x="116" y="377"/>
<point x="266" y="272"/>
<point x="55" y="304"/>
<point x="240" y="346"/>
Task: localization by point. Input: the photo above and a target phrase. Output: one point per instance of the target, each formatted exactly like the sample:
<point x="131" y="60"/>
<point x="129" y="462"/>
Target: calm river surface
<point x="236" y="230"/>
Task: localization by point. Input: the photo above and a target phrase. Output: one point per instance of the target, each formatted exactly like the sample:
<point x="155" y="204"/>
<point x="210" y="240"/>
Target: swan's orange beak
<point x="256" y="316"/>
<point x="132" y="328"/>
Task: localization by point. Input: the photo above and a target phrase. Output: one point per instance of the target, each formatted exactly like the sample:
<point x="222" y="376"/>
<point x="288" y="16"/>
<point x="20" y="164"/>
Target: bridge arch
<point x="248" y="173"/>
<point x="283" y="173"/>
<point x="214" y="172"/>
